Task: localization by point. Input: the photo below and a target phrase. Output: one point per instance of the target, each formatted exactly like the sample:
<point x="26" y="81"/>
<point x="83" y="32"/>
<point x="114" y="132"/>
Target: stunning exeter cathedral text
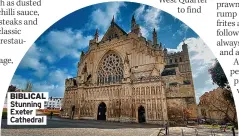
<point x="124" y="77"/>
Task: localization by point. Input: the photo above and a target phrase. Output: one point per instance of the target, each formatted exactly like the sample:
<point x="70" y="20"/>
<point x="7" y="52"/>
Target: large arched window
<point x="110" y="69"/>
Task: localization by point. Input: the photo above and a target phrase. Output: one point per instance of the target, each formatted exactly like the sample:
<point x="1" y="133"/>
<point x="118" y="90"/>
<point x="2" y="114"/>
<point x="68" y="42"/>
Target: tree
<point x="187" y="113"/>
<point x="12" y="88"/>
<point x="218" y="106"/>
<point x="218" y="77"/>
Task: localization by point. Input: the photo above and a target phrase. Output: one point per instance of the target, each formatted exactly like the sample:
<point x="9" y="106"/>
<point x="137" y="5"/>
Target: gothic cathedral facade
<point x="124" y="77"/>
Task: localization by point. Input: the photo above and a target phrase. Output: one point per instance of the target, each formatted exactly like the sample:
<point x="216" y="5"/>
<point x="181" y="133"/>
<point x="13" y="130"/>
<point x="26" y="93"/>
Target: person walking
<point x="51" y="114"/>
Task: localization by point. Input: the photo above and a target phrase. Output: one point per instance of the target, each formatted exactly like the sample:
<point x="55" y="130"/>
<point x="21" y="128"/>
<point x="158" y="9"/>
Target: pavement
<point x="64" y="127"/>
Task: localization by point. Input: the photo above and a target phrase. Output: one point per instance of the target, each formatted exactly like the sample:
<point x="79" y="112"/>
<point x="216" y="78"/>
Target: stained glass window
<point x="110" y="69"/>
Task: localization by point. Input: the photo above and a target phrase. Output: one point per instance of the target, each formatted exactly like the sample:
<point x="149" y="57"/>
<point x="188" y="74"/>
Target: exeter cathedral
<point x="125" y="77"/>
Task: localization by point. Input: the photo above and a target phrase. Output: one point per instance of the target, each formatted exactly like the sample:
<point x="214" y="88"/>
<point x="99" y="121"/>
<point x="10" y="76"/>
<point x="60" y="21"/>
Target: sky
<point x="55" y="54"/>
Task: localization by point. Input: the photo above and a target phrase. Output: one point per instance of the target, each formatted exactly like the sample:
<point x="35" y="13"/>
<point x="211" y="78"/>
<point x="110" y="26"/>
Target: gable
<point x="155" y="72"/>
<point x="114" y="31"/>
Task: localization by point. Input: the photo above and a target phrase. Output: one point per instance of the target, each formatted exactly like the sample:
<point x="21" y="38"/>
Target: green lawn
<point x="4" y="115"/>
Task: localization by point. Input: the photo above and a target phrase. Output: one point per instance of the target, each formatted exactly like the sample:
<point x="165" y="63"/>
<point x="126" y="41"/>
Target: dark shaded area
<point x="173" y="84"/>
<point x="4" y="115"/>
<point x="101" y="112"/>
<point x="218" y="76"/>
<point x="141" y="114"/>
<point x="171" y="66"/>
<point x="12" y="88"/>
<point x="187" y="82"/>
<point x="167" y="72"/>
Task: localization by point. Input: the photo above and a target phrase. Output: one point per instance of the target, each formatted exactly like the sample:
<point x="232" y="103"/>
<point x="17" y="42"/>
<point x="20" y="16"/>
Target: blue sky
<point x="54" y="56"/>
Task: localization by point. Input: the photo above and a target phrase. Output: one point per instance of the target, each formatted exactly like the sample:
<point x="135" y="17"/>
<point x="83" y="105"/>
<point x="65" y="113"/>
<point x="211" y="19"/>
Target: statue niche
<point x="84" y="74"/>
<point x="127" y="70"/>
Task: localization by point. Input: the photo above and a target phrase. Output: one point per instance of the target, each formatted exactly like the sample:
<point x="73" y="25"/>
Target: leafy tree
<point x="187" y="113"/>
<point x="218" y="77"/>
<point x="12" y="88"/>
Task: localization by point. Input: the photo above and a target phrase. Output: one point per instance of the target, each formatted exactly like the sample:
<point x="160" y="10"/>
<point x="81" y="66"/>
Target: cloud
<point x="32" y="61"/>
<point x="19" y="81"/>
<point x="198" y="51"/>
<point x="53" y="89"/>
<point x="201" y="57"/>
<point x="57" y="45"/>
<point x="102" y="16"/>
<point x="139" y="11"/>
<point x="149" y="17"/>
<point x="59" y="76"/>
<point x="55" y="84"/>
<point x="68" y="42"/>
<point x="144" y="32"/>
<point x="182" y="31"/>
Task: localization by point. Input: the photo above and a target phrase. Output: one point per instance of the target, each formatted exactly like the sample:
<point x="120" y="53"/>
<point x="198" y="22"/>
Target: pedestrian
<point x="51" y="114"/>
<point x="166" y="128"/>
<point x="233" y="131"/>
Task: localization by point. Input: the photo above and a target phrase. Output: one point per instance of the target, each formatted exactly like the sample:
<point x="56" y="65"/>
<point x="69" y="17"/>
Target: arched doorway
<point x="141" y="114"/>
<point x="101" y="111"/>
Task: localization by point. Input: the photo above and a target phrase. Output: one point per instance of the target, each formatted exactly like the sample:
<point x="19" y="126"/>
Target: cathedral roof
<point x="114" y="31"/>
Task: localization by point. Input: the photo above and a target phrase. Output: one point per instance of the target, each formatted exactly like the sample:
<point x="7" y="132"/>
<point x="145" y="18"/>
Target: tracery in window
<point x="110" y="69"/>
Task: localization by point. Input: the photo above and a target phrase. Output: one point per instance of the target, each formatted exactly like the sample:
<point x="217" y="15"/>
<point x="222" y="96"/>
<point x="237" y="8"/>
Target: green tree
<point x="218" y="77"/>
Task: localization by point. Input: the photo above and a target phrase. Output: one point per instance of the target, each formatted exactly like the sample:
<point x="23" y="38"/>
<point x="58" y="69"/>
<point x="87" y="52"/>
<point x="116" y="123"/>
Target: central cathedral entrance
<point x="101" y="111"/>
<point x="141" y="114"/>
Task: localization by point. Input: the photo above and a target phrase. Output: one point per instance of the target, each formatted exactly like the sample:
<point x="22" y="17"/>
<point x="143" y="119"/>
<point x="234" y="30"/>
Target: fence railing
<point x="211" y="132"/>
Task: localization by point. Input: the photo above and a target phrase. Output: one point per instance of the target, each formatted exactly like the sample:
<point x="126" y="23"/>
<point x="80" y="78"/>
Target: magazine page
<point x="119" y="68"/>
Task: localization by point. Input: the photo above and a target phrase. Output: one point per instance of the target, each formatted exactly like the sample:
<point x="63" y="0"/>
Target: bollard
<point x="233" y="131"/>
<point x="196" y="132"/>
<point x="182" y="133"/>
<point x="212" y="133"/>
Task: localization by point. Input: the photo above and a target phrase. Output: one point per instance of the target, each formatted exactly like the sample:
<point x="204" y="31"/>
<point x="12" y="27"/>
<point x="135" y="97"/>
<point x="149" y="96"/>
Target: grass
<point x="4" y="115"/>
<point x="211" y="126"/>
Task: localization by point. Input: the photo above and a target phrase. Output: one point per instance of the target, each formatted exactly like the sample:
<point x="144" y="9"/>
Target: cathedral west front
<point x="125" y="77"/>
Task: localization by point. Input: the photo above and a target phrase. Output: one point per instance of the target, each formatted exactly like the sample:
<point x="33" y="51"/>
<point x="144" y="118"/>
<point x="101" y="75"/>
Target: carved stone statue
<point x="127" y="70"/>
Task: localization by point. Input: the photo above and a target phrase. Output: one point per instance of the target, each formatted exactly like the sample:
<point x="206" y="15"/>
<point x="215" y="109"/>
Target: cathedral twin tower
<point x="124" y="77"/>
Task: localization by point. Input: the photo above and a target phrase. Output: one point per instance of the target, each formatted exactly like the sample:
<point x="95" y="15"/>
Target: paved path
<point x="63" y="127"/>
